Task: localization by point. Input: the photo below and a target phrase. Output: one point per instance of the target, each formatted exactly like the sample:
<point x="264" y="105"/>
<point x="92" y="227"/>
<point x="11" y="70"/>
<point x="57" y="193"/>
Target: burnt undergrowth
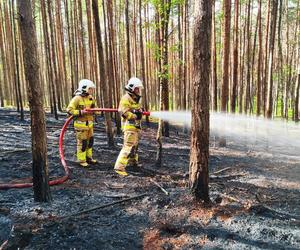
<point x="254" y="197"/>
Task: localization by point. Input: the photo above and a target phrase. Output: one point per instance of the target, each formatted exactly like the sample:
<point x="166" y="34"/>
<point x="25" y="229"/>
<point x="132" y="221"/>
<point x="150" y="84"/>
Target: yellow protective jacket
<point x="79" y="103"/>
<point x="129" y="121"/>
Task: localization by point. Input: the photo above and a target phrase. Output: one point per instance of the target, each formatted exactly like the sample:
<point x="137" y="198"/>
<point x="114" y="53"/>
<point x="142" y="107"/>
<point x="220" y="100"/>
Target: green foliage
<point x="164" y="74"/>
<point x="155" y="48"/>
<point x="162" y="7"/>
<point x="280" y="105"/>
<point x="175" y="48"/>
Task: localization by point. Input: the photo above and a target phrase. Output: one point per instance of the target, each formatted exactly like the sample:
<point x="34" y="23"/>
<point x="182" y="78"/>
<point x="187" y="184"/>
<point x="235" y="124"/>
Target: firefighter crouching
<point x="131" y="112"/>
<point x="83" y="121"/>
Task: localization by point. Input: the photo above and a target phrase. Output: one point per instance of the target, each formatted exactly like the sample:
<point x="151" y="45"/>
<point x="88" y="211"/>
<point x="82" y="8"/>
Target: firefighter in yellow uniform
<point x="131" y="112"/>
<point x="83" y="121"/>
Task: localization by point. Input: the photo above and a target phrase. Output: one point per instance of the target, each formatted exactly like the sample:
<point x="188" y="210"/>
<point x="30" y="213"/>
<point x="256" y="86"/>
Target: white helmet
<point x="133" y="83"/>
<point x="84" y="85"/>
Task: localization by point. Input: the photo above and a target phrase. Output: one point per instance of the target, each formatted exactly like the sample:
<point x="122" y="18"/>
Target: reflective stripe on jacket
<point x="80" y="103"/>
<point x="127" y="104"/>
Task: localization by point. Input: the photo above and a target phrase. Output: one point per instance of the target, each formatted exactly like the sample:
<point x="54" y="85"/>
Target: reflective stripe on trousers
<point x="128" y="153"/>
<point x="83" y="124"/>
<point x="83" y="137"/>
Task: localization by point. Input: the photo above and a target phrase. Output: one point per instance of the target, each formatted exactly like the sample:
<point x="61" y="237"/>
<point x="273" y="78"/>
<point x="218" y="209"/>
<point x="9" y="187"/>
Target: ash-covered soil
<point x="255" y="198"/>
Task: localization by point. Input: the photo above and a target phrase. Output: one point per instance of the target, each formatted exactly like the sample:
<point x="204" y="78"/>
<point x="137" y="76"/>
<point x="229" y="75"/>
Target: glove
<point x="138" y="114"/>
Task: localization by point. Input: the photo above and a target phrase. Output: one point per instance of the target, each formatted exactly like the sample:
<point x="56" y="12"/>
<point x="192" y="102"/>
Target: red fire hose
<point x="146" y="113"/>
<point x="61" y="154"/>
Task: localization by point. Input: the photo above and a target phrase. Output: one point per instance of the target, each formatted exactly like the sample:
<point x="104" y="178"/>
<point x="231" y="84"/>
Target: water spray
<point x="257" y="133"/>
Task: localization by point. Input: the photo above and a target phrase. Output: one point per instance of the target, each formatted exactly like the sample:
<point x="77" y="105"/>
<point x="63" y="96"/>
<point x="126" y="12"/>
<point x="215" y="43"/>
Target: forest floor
<point x="255" y="198"/>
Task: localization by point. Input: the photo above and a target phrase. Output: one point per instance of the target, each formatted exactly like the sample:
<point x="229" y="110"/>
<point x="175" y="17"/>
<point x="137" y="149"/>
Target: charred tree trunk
<point x="198" y="177"/>
<point x="38" y="126"/>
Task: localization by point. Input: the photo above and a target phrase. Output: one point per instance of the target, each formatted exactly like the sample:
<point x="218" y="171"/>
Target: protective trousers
<point x="128" y="154"/>
<point x="85" y="141"/>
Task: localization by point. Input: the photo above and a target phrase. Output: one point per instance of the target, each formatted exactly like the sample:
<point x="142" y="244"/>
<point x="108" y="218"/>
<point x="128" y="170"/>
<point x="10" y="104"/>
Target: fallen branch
<point x="264" y="208"/>
<point x="161" y="188"/>
<point x="17" y="151"/>
<point x="221" y="170"/>
<point x="114" y="186"/>
<point x="212" y="176"/>
<point x="11" y="131"/>
<point x="103" y="206"/>
<point x="231" y="198"/>
<point x="116" y="196"/>
<point x="226" y="176"/>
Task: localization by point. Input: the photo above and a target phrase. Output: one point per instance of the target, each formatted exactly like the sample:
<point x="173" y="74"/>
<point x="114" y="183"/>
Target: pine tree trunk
<point x="164" y="79"/>
<point x="235" y="57"/>
<point x="185" y="65"/>
<point x="297" y="65"/>
<point x="198" y="169"/>
<point x="226" y="53"/>
<point x="17" y="72"/>
<point x="128" y="40"/>
<point x="48" y="55"/>
<point x="38" y="126"/>
<point x="70" y="47"/>
<point x="264" y="81"/>
<point x="297" y="93"/>
<point x="84" y="61"/>
<point x="269" y="109"/>
<point x="13" y="59"/>
<point x="52" y="40"/>
<point x="145" y="94"/>
<point x="61" y="58"/>
<point x="180" y="58"/>
<point x="102" y="72"/>
<point x="9" y="56"/>
<point x="214" y="79"/>
<point x="108" y="60"/>
<point x="112" y="51"/>
<point x="4" y="61"/>
<point x="248" y="76"/>
<point x="259" y="62"/>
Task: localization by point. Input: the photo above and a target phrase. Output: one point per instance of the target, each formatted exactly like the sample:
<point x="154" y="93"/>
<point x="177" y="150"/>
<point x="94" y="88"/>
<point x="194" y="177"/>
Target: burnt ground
<point x="255" y="199"/>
